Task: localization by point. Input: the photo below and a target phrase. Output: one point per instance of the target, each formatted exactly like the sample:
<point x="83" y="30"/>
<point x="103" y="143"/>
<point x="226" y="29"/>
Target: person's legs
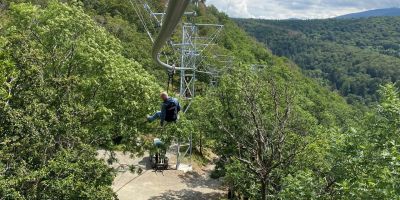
<point x="156" y="115"/>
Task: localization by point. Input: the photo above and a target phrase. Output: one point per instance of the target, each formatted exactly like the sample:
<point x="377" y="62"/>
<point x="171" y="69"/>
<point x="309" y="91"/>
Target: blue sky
<point x="304" y="9"/>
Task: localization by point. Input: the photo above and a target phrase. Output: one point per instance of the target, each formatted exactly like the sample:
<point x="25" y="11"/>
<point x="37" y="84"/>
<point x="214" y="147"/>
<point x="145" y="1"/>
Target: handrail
<point x="175" y="11"/>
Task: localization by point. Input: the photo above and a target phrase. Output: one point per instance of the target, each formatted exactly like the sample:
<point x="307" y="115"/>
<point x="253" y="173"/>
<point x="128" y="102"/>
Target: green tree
<point x="372" y="170"/>
<point x="257" y="122"/>
<point x="66" y="90"/>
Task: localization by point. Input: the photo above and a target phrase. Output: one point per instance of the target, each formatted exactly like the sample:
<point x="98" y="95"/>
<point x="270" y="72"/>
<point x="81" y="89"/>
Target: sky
<point x="302" y="9"/>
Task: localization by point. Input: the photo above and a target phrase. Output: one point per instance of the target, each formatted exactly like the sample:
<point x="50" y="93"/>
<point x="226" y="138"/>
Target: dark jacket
<point x="164" y="108"/>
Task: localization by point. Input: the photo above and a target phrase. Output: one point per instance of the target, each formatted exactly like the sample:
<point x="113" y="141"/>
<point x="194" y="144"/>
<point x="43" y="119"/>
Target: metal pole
<point x="178" y="152"/>
<point x="182" y="88"/>
<point x="194" y="60"/>
<point x="191" y="146"/>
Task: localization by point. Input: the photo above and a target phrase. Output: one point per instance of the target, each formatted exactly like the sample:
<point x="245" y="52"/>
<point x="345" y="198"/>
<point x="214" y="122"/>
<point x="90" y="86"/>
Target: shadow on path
<point x="194" y="179"/>
<point x="187" y="194"/>
<point x="145" y="162"/>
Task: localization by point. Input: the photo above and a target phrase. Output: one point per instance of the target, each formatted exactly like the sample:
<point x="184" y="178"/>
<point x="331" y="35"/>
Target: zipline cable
<point x="152" y="24"/>
<point x="142" y="20"/>
<point x="174" y="13"/>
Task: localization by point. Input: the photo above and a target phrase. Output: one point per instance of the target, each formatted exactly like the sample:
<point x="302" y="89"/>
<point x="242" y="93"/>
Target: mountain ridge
<point x="384" y="12"/>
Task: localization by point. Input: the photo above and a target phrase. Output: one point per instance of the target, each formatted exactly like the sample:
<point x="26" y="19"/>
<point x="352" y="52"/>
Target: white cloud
<point x="304" y="9"/>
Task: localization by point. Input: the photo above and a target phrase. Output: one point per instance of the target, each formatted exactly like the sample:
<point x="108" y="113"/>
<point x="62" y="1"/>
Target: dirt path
<point x="165" y="185"/>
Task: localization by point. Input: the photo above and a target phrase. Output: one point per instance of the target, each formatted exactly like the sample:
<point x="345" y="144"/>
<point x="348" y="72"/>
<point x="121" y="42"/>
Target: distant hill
<point x="387" y="12"/>
<point x="352" y="56"/>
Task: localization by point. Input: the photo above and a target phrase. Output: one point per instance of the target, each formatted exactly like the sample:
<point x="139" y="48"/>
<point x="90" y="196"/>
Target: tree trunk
<point x="263" y="189"/>
<point x="201" y="144"/>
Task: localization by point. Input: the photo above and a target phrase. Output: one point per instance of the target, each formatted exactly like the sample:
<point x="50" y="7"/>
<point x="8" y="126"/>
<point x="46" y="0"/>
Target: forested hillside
<point x="352" y="56"/>
<point x="75" y="75"/>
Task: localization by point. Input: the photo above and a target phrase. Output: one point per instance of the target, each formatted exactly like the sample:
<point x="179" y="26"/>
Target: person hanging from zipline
<point x="170" y="108"/>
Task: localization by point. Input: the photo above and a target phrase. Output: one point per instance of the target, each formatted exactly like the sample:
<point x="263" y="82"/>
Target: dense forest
<point x="75" y="75"/>
<point x="352" y="56"/>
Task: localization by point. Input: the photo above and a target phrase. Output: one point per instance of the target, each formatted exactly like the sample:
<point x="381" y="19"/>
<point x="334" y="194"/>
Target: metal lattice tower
<point x="189" y="56"/>
<point x="190" y="50"/>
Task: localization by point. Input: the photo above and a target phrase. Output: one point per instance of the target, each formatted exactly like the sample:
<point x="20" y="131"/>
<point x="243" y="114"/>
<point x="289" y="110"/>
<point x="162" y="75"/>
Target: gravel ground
<point x="163" y="185"/>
